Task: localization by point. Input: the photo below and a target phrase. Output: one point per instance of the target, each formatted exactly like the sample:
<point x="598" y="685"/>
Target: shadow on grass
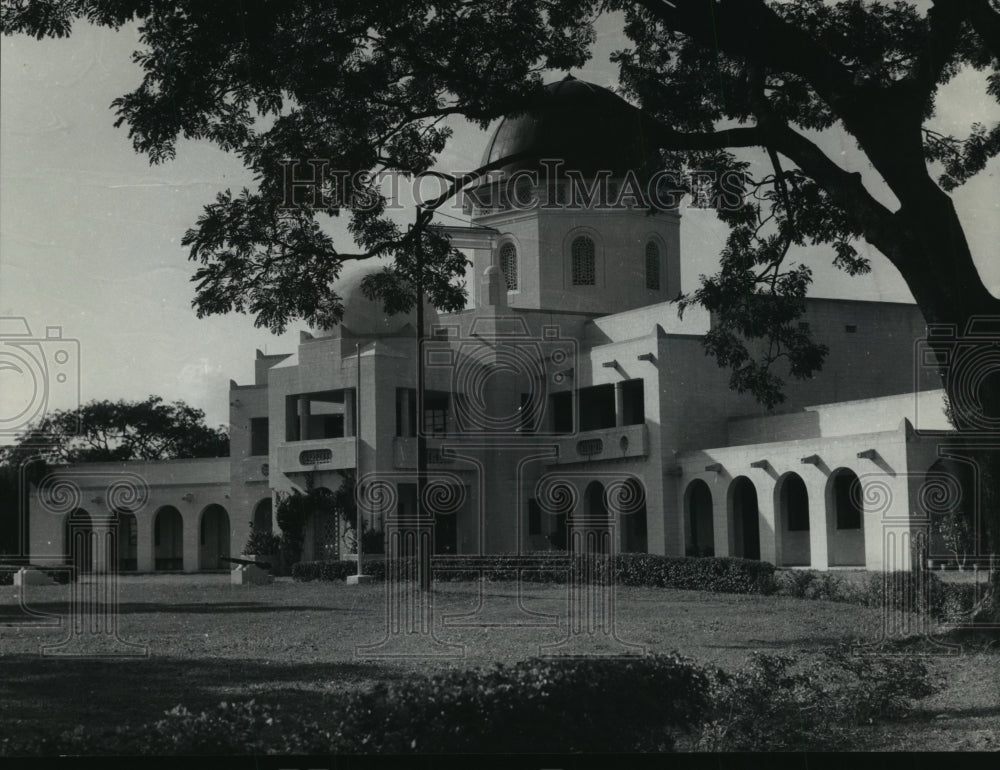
<point x="45" y="696"/>
<point x="191" y="608"/>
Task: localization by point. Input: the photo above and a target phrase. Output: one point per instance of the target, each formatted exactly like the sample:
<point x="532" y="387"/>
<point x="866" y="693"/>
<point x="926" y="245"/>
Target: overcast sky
<point x="90" y="232"/>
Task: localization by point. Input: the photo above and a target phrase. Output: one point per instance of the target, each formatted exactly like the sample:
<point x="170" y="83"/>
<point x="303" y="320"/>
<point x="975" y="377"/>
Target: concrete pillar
<point x="304" y="414"/>
<point x="144" y="540"/>
<point x="767" y="518"/>
<point x="819" y="546"/>
<point x="619" y="405"/>
<point x="192" y="539"/>
<point x="720" y="515"/>
<point x="349" y="414"/>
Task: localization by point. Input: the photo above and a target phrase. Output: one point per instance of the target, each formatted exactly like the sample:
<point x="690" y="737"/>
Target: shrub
<point x="724" y="574"/>
<point x="262" y="542"/>
<point x="773" y="705"/>
<point x="519" y="708"/>
<point x="6" y="577"/>
<point x="613" y="705"/>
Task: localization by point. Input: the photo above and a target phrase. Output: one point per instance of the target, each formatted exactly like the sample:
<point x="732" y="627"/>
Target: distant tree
<point x="102" y="431"/>
<point x="97" y="432"/>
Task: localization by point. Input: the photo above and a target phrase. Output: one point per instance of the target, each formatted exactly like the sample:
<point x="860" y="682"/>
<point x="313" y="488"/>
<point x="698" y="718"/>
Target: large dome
<point x="364" y="316"/>
<point x="588" y="127"/>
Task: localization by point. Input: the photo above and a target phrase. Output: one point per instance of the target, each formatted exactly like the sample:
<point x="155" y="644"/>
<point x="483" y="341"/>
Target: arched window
<point x="583" y="254"/>
<point x="508" y="265"/>
<point x="652" y="266"/>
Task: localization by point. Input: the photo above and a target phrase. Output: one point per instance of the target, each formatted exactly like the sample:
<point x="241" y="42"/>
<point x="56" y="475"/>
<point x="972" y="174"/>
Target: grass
<point x="294" y="645"/>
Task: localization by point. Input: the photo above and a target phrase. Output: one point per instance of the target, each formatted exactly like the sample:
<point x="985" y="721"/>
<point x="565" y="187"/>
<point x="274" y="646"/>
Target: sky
<point x="90" y="232"/>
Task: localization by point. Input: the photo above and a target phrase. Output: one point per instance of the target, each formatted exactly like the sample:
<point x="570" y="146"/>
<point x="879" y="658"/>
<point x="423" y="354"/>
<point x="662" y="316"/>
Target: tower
<point x="576" y="233"/>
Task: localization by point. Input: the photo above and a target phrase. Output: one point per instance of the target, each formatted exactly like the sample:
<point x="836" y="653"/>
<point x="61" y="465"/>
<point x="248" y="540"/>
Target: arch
<point x="263" y="515"/>
<point x="744" y="521"/>
<point x="845" y="533"/>
<point x="213" y="537"/>
<point x="583" y="261"/>
<point x="127" y="537"/>
<point x="595" y="535"/>
<point x="791" y="501"/>
<point x="700" y="519"/>
<point x="653" y="266"/>
<point x="948" y="497"/>
<point x="508" y="265"/>
<point x="633" y="522"/>
<point x="78" y="540"/>
<point x="168" y="539"/>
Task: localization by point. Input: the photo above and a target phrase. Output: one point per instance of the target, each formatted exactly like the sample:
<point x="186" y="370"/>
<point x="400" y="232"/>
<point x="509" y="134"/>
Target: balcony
<point x="317" y="454"/>
<point x="404" y="453"/>
<point x="605" y="444"/>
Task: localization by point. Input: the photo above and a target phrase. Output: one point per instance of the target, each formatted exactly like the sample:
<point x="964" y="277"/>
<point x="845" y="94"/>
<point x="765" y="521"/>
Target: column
<point x="350" y="399"/>
<point x="304" y="414"/>
<point x="819" y="544"/>
<point x="619" y="405"/>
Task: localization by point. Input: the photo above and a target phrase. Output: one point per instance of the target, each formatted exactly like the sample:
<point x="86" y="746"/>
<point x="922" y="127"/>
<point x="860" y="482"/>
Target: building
<point x="570" y="388"/>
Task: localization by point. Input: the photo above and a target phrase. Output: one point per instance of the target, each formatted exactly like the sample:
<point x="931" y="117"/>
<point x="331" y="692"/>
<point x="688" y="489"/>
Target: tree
<point x="366" y="86"/>
<point x="97" y="432"/>
<point x="103" y="431"/>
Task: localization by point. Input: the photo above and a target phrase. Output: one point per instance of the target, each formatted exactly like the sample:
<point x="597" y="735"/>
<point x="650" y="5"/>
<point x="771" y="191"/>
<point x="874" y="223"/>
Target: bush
<point x="262" y="542"/>
<point x="773" y="705"/>
<point x="536" y="706"/>
<point x="724" y="574"/>
<point x="6" y="577"/>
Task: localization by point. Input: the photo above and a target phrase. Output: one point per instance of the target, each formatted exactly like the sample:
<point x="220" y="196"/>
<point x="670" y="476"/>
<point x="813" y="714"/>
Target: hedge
<point x="926" y="594"/>
<point x="719" y="574"/>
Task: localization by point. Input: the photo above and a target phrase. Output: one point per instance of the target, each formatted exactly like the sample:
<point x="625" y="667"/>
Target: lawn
<point x="294" y="645"/>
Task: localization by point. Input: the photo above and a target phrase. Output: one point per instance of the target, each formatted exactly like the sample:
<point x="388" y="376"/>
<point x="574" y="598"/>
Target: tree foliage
<point x="103" y="431"/>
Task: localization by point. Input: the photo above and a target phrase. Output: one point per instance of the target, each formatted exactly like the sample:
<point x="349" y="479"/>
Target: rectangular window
<point x="633" y="407"/>
<point x="597" y="407"/>
<point x="562" y="411"/>
<point x="258" y="435"/>
<point x="435" y="413"/>
<point x="851" y="328"/>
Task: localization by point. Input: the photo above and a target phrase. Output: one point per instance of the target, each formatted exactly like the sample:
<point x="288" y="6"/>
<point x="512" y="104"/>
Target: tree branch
<point x="985" y="21"/>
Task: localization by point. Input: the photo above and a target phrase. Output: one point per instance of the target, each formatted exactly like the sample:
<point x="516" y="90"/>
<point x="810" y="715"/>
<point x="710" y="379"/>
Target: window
<point x="258" y="435"/>
<point x="633" y="407"/>
<point x="652" y="266"/>
<point x="508" y="265"/>
<point x="584" y="257"/>
<point x="803" y="326"/>
<point x="562" y="411"/>
<point x="851" y="328"/>
<point x="435" y="413"/>
<point x="597" y="407"/>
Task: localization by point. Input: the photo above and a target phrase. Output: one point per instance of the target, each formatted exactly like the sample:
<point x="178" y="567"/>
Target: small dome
<point x="364" y="316"/>
<point x="588" y="127"/>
